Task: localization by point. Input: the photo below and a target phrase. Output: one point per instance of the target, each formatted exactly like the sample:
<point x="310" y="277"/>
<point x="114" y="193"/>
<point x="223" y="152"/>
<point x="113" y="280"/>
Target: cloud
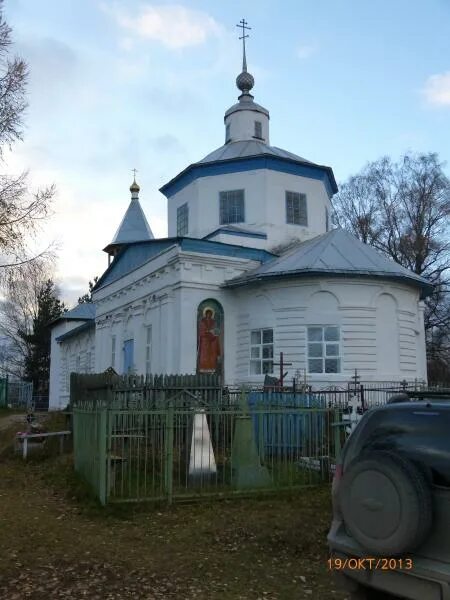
<point x="174" y="26"/>
<point x="305" y="51"/>
<point x="52" y="63"/>
<point x="437" y="89"/>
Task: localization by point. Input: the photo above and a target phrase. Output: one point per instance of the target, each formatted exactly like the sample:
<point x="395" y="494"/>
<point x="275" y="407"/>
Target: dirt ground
<point x="57" y="543"/>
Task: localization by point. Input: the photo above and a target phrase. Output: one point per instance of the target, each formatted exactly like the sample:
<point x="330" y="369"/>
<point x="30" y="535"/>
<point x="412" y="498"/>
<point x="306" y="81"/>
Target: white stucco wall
<point x="165" y="294"/>
<point x="265" y="204"/>
<point x="380" y="322"/>
<point x="381" y="327"/>
<point x="76" y="354"/>
<point x="242" y="125"/>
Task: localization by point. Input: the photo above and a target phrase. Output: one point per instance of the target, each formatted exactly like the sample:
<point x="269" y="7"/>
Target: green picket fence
<point x="175" y="453"/>
<point x="3" y="392"/>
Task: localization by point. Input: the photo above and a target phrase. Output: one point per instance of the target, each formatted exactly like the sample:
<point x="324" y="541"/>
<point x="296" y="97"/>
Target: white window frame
<point x="113" y="351"/>
<point x="296" y="209"/>
<point x="259" y="348"/>
<point x="258" y="130"/>
<point x="323" y="346"/>
<point x="148" y="349"/>
<point x="231" y="207"/>
<point x="183" y="220"/>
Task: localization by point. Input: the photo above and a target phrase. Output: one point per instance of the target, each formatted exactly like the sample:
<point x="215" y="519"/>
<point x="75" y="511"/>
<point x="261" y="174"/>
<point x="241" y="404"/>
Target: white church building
<point x="221" y="295"/>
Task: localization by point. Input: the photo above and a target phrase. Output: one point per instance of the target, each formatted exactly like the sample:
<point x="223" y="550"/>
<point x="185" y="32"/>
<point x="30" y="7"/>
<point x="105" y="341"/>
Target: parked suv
<point x="391" y="500"/>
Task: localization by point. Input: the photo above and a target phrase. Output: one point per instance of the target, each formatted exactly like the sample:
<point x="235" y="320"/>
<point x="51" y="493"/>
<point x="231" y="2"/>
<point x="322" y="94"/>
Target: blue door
<point x="128" y="356"/>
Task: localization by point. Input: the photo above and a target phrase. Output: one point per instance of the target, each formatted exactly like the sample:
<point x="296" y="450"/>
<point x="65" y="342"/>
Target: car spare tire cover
<point x="386" y="503"/>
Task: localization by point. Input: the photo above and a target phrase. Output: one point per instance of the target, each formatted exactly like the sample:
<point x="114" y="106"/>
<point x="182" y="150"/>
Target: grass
<point x="56" y="541"/>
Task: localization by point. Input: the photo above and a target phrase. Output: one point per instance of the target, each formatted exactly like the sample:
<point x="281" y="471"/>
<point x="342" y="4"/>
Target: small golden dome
<point x="134" y="187"/>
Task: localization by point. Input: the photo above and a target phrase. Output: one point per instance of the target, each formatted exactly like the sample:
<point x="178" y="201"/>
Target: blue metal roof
<point x="221" y="249"/>
<point x="77" y="330"/>
<point x="248" y="156"/>
<point x="135" y="255"/>
<point x="82" y="312"/>
<point x="85" y="310"/>
<point x="246" y="148"/>
<point x="131" y="257"/>
<point x="336" y="253"/>
<point x="134" y="226"/>
<point x="238" y="231"/>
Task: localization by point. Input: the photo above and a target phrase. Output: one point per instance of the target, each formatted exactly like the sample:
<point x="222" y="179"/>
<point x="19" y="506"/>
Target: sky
<point x="140" y="84"/>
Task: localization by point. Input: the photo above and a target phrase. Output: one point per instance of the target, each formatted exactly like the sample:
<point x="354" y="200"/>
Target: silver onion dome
<point x="245" y="82"/>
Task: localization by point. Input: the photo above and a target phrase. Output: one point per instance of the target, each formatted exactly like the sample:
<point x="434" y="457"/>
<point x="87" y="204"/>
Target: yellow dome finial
<point x="134" y="186"/>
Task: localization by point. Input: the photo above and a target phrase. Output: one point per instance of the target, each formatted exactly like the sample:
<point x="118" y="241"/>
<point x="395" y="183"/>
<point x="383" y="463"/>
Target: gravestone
<point x="202" y="463"/>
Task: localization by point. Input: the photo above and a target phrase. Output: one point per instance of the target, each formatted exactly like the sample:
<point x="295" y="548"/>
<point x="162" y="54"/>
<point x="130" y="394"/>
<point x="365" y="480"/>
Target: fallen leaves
<point x="53" y="546"/>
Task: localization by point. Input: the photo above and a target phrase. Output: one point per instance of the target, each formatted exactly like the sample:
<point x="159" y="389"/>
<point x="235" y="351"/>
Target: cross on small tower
<point x="134" y="171"/>
<point x="243" y="25"/>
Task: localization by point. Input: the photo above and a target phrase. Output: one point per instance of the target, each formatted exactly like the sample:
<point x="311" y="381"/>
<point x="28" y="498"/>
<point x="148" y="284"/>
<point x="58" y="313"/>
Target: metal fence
<point x="19" y="394"/>
<point x="3" y="391"/>
<point x="147" y="392"/>
<point x="179" y="453"/>
<point x="182" y="437"/>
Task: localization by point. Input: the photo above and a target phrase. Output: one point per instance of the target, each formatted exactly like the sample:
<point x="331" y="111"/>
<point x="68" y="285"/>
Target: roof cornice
<point x="250" y="163"/>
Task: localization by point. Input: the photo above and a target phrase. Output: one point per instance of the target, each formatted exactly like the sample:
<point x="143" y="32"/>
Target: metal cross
<point x="243" y="26"/>
<point x="134" y="171"/>
<point x="282" y="364"/>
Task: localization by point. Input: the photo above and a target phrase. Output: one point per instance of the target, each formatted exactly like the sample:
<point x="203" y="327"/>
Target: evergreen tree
<point x="37" y="360"/>
<point x="88" y="296"/>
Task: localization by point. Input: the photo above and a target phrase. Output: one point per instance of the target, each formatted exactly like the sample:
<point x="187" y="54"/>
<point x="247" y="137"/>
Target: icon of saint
<point x="209" y="351"/>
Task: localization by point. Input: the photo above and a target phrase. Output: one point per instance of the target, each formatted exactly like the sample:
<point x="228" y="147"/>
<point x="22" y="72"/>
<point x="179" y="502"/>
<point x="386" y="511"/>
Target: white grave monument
<point x="202" y="463"/>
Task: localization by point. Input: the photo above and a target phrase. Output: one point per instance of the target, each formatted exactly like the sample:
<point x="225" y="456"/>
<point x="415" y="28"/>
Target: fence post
<point x="102" y="455"/>
<point x="169" y="452"/>
<point x="337" y="436"/>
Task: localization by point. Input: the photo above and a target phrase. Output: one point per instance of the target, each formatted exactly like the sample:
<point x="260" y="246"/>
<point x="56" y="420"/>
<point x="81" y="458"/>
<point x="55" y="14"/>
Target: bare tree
<point x="21" y="212"/>
<point x="18" y="311"/>
<point x="403" y="209"/>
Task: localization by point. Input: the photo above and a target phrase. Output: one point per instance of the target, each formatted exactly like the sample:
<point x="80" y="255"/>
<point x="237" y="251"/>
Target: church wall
<point x="254" y="184"/>
<point x="381" y="342"/>
<point x="242" y="125"/>
<point x="265" y="205"/>
<point x="75" y="354"/>
<point x="191" y="299"/>
<point x="188" y="194"/>
<point x="165" y="294"/>
<point x="371" y="315"/>
<point x="317" y="199"/>
<point x="202" y="196"/>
